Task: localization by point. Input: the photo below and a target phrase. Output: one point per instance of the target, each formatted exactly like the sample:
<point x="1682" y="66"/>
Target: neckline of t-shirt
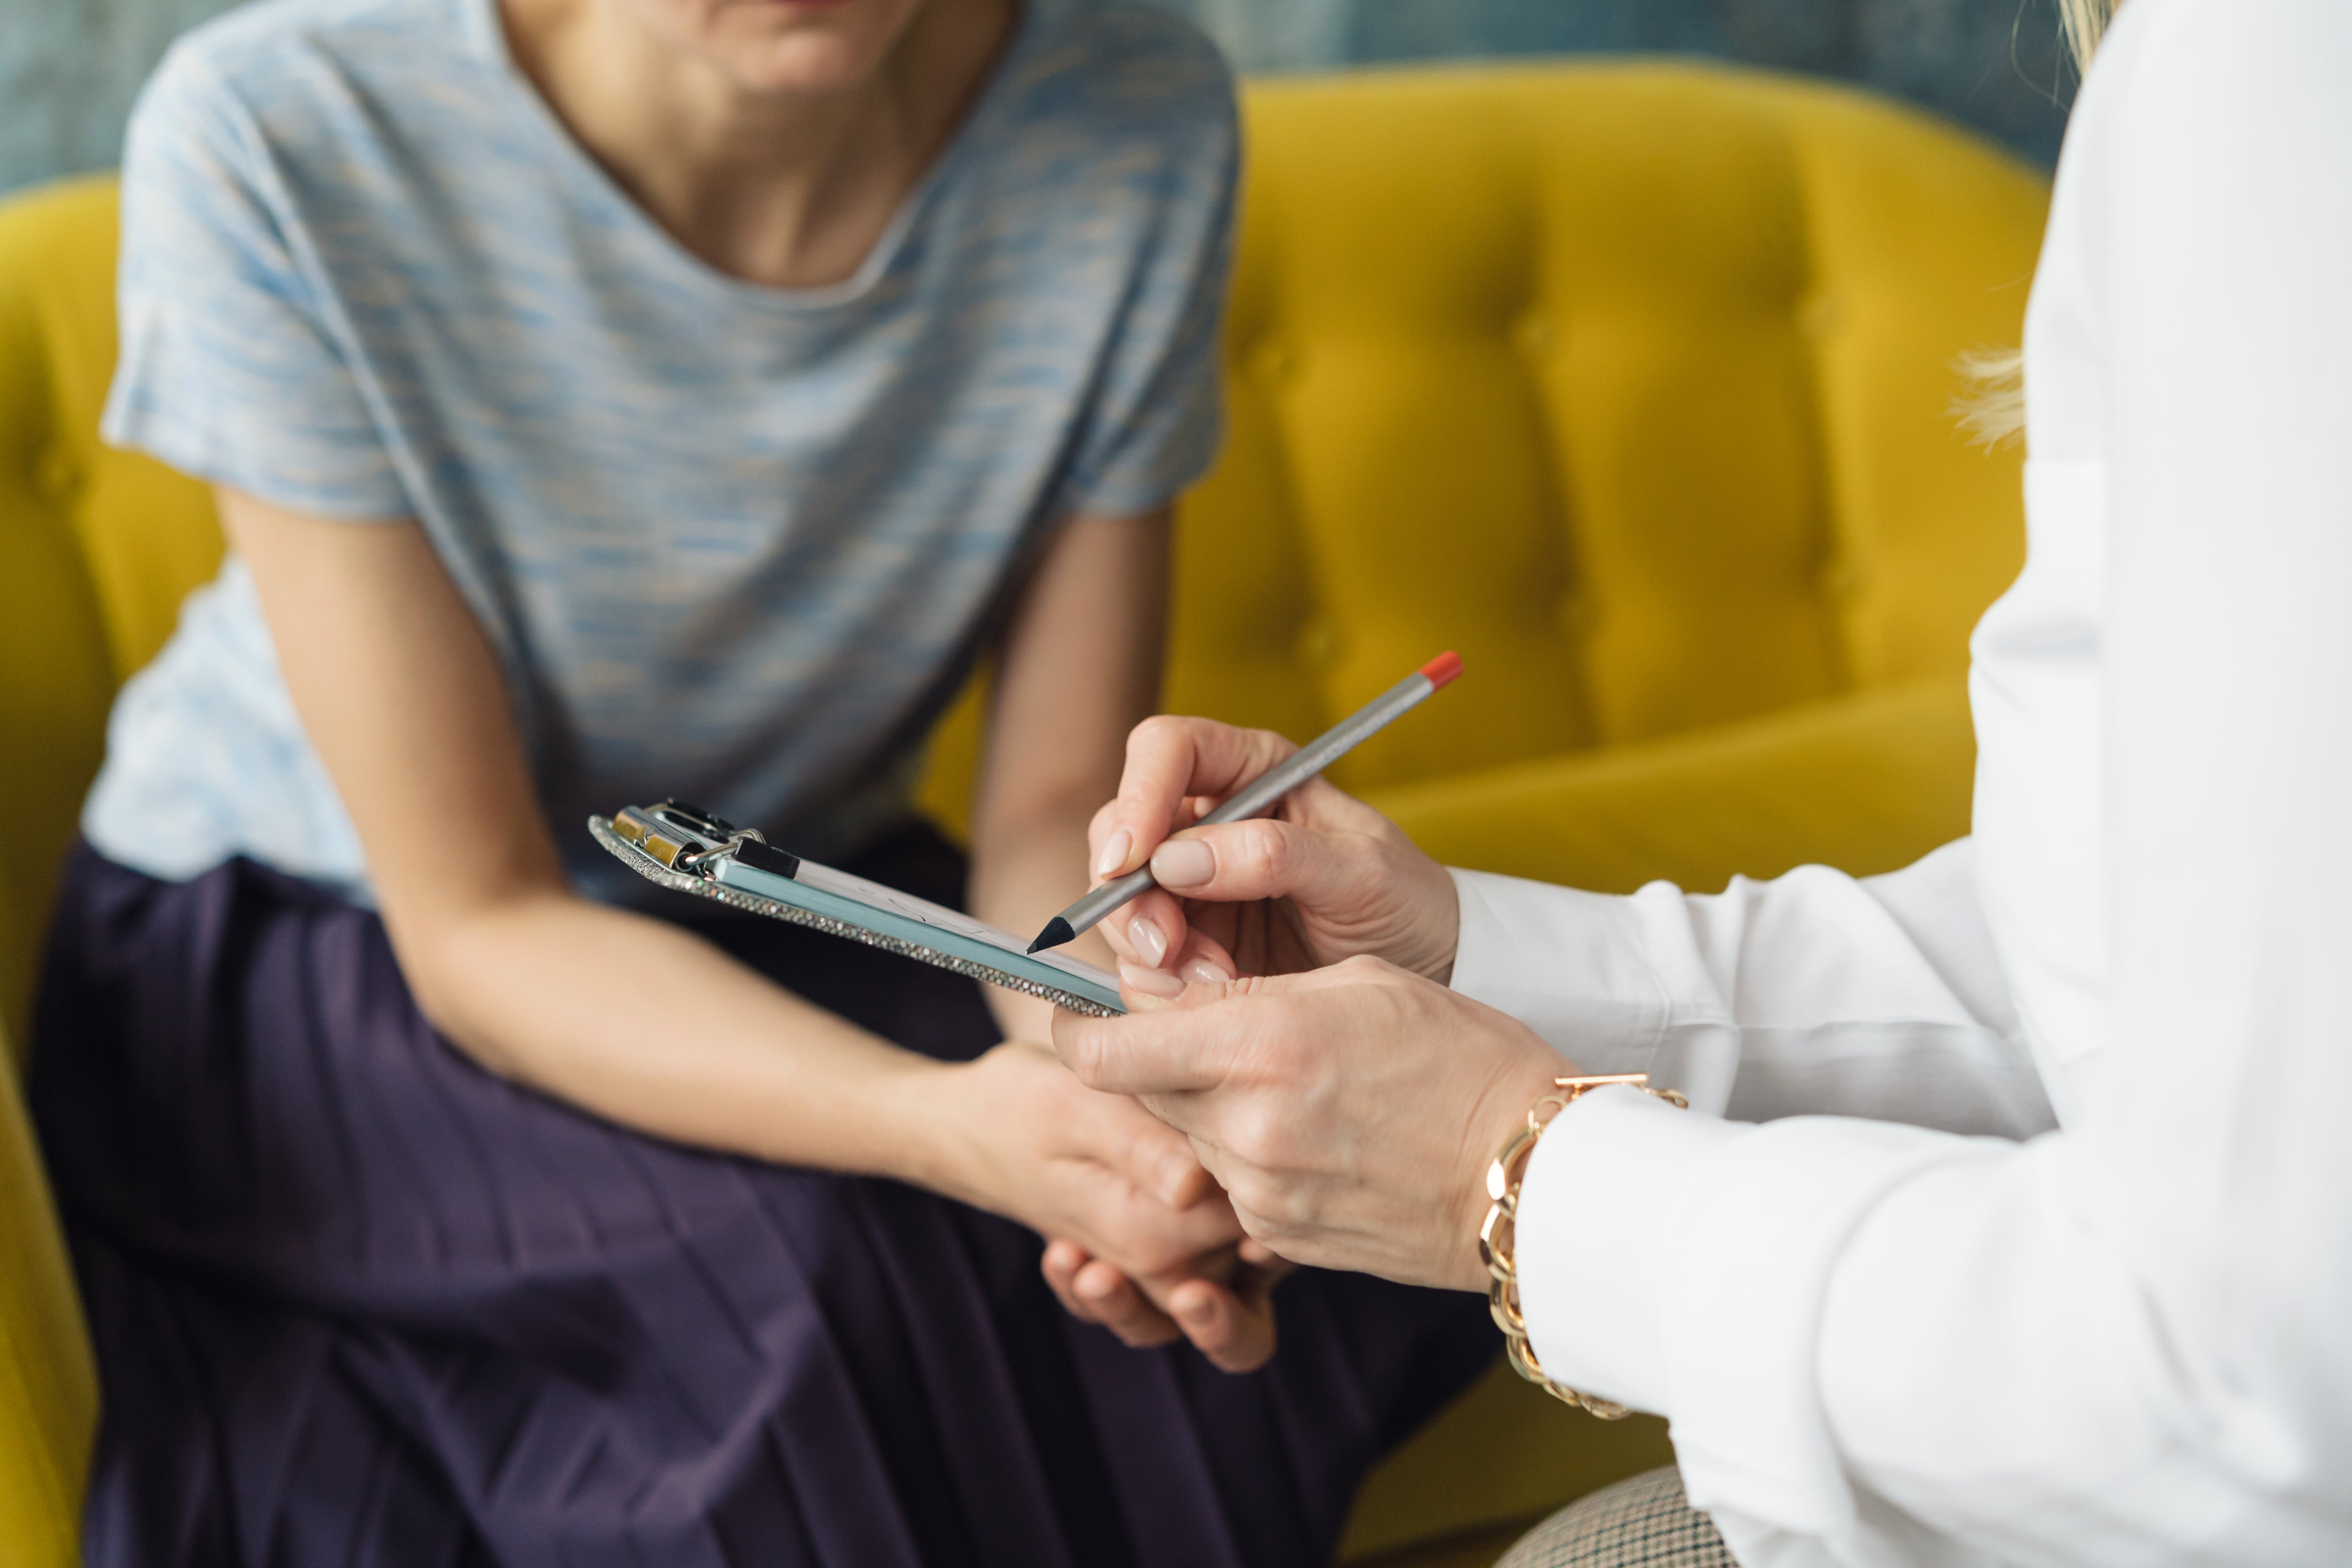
<point x="488" y="37"/>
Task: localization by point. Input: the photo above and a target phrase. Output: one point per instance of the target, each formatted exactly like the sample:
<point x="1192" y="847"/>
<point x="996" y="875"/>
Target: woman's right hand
<point x="1324" y="878"/>
<point x="1017" y="1134"/>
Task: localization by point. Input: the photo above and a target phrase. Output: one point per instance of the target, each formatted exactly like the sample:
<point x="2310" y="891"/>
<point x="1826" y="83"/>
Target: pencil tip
<point x="1057" y="932"/>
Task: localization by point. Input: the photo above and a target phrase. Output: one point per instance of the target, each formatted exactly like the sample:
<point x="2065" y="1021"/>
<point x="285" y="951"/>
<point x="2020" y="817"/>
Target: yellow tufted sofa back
<point x="1629" y="382"/>
<point x="1633" y="384"/>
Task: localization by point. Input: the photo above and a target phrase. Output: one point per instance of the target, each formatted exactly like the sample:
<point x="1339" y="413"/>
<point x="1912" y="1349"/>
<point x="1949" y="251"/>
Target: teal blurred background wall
<point x="1994" y="65"/>
<point x="69" y="68"/>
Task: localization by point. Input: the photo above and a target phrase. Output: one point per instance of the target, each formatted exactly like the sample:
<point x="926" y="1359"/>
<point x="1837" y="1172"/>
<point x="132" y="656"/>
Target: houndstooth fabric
<point x="1641" y="1523"/>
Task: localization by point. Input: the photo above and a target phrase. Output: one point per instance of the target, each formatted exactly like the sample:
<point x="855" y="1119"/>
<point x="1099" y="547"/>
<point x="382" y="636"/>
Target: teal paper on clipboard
<point x="687" y="850"/>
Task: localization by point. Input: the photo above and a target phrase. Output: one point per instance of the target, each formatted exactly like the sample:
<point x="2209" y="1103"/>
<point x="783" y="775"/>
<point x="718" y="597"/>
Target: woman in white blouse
<point x="2012" y="1219"/>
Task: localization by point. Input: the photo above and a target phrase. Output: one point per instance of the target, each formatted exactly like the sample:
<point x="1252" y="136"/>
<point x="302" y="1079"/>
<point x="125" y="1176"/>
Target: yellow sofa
<point x="1630" y="381"/>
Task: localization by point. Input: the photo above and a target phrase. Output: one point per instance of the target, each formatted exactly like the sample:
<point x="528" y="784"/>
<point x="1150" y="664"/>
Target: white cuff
<point x="1568" y="964"/>
<point x="1606" y="981"/>
<point x="1678" y="1263"/>
<point x="1602" y="1222"/>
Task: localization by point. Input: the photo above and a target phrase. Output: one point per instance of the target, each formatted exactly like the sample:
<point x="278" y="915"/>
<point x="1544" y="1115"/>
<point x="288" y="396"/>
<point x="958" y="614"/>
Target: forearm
<point x="1080" y="668"/>
<point x="642" y="1023"/>
<point x="624" y="1016"/>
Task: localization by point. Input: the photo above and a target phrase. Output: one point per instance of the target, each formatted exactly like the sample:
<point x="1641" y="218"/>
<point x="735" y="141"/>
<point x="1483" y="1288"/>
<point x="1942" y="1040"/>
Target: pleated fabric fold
<point x="357" y="1301"/>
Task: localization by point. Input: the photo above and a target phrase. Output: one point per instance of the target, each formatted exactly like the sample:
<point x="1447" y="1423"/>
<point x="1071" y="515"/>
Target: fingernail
<point x="1093" y="1287"/>
<point x="1203" y="971"/>
<point x="1183" y="863"/>
<point x="1151" y="982"/>
<point x="1114" y="855"/>
<point x="1147" y="941"/>
<point x="1195" y="1308"/>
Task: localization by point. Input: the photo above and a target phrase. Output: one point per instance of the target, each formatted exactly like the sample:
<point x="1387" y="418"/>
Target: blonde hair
<point x="1992" y="408"/>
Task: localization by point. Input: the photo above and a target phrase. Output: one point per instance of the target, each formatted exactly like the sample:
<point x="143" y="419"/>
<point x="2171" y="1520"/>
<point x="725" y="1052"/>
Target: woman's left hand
<point x="1224" y="1303"/>
<point x="1350" y="1112"/>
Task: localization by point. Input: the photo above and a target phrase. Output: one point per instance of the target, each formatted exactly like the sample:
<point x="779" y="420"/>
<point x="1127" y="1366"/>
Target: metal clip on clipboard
<point x="688" y="850"/>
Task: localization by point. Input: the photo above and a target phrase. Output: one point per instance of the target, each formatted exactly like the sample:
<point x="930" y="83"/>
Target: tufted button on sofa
<point x="1629" y="382"/>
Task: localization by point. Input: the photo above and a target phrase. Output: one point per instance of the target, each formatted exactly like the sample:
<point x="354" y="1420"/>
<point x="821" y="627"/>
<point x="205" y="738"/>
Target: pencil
<point x="1264" y="792"/>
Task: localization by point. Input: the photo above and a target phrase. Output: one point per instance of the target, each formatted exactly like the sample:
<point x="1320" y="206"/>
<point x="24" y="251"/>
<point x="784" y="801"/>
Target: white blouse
<point x="2025" y="1233"/>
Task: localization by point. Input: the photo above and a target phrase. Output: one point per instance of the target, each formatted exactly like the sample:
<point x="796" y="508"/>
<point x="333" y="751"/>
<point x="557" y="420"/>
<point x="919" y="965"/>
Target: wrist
<point x="929" y="1139"/>
<point x="1498" y="1229"/>
<point x="1501" y="1115"/>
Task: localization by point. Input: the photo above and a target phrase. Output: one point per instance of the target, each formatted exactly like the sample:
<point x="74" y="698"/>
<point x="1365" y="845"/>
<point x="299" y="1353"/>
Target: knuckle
<point x="1270" y="745"/>
<point x="1270" y="1227"/>
<point x="1090" y="1056"/>
<point x="1254" y="986"/>
<point x="1261" y="850"/>
<point x="1161" y="732"/>
<point x="1260" y="1138"/>
<point x="1291" y="1209"/>
<point x="1256" y="1193"/>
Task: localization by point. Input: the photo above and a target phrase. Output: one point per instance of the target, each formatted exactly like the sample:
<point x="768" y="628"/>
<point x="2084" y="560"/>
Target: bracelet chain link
<point x="1498" y="1235"/>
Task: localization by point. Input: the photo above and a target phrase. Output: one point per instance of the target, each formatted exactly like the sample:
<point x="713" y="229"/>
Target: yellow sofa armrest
<point x="48" y="1384"/>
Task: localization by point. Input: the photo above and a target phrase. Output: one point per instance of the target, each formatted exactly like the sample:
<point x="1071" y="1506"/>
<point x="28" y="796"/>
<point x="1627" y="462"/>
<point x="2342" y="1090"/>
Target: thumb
<point x="1157" y="991"/>
<point x="1264" y="857"/>
<point x="1172" y="1045"/>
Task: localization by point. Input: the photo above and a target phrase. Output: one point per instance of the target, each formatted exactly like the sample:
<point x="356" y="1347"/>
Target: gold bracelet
<point x="1498" y="1237"/>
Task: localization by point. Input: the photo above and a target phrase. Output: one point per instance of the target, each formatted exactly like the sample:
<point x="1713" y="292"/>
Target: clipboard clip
<point x="688" y="838"/>
<point x="688" y="859"/>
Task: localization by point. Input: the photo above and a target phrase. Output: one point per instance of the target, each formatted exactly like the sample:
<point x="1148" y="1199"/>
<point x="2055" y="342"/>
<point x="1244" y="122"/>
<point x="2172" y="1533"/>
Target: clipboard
<point x="687" y="850"/>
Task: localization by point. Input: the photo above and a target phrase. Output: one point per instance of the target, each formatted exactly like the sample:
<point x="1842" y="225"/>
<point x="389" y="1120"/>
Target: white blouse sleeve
<point x="2125" y="1343"/>
<point x="1816" y="992"/>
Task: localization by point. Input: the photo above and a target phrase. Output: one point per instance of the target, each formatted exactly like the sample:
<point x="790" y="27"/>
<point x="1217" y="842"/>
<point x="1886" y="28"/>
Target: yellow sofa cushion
<point x="1630" y="381"/>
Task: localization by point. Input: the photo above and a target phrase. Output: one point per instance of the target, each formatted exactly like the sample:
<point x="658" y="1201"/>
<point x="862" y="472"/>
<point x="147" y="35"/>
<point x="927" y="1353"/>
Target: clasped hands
<point x="1290" y="1018"/>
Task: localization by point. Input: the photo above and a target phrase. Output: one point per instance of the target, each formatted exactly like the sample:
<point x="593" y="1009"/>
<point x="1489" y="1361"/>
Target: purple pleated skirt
<point x="357" y="1302"/>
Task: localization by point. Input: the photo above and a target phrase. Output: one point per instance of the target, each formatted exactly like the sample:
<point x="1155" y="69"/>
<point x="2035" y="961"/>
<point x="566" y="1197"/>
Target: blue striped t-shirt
<point x="731" y="543"/>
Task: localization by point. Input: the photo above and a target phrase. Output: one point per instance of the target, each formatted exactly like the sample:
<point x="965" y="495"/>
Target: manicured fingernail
<point x="1149" y="944"/>
<point x="1203" y="971"/>
<point x="1151" y="982"/>
<point x="1183" y="863"/>
<point x="1113" y="858"/>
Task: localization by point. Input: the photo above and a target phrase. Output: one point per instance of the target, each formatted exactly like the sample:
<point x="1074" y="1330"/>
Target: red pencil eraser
<point x="1443" y="668"/>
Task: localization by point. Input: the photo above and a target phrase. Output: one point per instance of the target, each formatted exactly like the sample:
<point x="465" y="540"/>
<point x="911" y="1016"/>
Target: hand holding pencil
<point x="1322" y="878"/>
